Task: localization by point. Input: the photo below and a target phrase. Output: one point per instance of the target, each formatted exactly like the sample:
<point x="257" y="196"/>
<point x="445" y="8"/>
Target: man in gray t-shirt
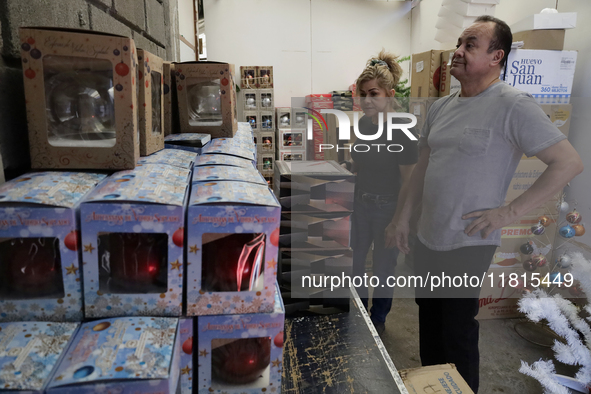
<point x="468" y="152"/>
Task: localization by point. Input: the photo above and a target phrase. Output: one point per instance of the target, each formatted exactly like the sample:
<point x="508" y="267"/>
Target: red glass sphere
<point x="241" y="361"/>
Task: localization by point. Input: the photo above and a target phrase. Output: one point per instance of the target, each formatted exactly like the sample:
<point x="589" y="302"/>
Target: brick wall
<point x="153" y="24"/>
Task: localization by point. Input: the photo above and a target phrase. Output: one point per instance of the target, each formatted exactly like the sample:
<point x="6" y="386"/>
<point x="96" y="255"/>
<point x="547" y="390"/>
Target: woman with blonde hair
<point x="382" y="180"/>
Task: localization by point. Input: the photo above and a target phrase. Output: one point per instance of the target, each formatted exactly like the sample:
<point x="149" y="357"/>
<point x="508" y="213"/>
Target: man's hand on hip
<point x="488" y="221"/>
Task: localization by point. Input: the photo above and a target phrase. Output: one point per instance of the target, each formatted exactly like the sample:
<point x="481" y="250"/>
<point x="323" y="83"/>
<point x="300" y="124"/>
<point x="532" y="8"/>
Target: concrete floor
<point x="501" y="348"/>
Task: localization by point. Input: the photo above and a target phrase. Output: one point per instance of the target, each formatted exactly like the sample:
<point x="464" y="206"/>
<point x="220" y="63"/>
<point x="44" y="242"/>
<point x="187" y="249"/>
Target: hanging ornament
<point x="529" y="265"/>
<point x="573" y="217"/>
<point x="563" y="261"/>
<point x="579" y="229"/>
<point x="562" y="206"/>
<point x="538" y="229"/>
<point x="526" y="248"/>
<point x="566" y="231"/>
<point x="35" y="53"/>
<point x="539" y="260"/>
<point x="555" y="278"/>
<point x="544" y="220"/>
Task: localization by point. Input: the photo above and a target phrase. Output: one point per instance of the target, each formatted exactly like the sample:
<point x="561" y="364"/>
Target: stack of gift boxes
<point x="140" y="249"/>
<point x="317" y="201"/>
<point x="258" y="98"/>
<point x="291" y="133"/>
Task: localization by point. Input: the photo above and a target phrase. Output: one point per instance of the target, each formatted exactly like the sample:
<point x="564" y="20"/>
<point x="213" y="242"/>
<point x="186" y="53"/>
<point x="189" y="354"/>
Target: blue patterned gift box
<point x="186" y="367"/>
<point x="222" y="160"/>
<point x="192" y="142"/>
<point x="38" y="211"/>
<point x="30" y="352"/>
<point x="173" y="157"/>
<point x="215" y="332"/>
<point x="219" y="213"/>
<point x="126" y="355"/>
<point x="146" y="205"/>
<point x="227" y="173"/>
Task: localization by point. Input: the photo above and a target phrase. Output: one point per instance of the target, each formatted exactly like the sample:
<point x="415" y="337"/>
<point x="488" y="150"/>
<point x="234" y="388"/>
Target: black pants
<point x="448" y="329"/>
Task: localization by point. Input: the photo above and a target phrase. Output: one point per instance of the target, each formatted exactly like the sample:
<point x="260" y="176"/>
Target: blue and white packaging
<point x="30" y="352"/>
<point x="192" y="142"/>
<point x="546" y="75"/>
<point x="40" y="271"/>
<point x="126" y="355"/>
<point x="132" y="234"/>
<point x="172" y="157"/>
<point x="232" y="247"/>
<point x="227" y="173"/>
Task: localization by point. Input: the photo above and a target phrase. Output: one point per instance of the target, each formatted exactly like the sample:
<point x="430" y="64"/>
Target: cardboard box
<point x="546" y="75"/>
<point x="559" y="115"/>
<point x="253" y="119"/>
<point x="250" y="98"/>
<point x="425" y="74"/>
<point x="207" y="98"/>
<point x="267" y="121"/>
<point x="257" y="337"/>
<point x="222" y="160"/>
<point x="498" y="298"/>
<point x="264" y="77"/>
<point x="128" y="354"/>
<point x="227" y="173"/>
<point x="26" y="365"/>
<point x="170" y="102"/>
<point x="171" y="157"/>
<point x="192" y="142"/>
<point x="248" y="77"/>
<point x="186" y="362"/>
<point x="232" y="232"/>
<point x="266" y="100"/>
<point x="443" y="378"/>
<point x="232" y="147"/>
<point x="520" y="233"/>
<point x="283" y="117"/>
<point x="420" y="108"/>
<point x="448" y="84"/>
<point x="74" y="122"/>
<point x="552" y="40"/>
<point x="40" y="270"/>
<point x="292" y="155"/>
<point x="132" y="231"/>
<point x="561" y="20"/>
<point x="151" y="102"/>
<point x="291" y="139"/>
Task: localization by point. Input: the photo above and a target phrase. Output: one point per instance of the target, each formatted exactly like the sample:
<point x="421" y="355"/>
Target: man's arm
<point x="413" y="197"/>
<point x="405" y="174"/>
<point x="563" y="163"/>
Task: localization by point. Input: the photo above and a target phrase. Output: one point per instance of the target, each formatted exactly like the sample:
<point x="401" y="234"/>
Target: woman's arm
<point x="405" y="175"/>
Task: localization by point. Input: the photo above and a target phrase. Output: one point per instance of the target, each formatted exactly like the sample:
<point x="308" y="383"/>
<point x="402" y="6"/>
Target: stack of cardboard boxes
<point x="258" y="98"/>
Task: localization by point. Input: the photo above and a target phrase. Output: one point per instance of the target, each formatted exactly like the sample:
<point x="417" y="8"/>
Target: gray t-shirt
<point x="476" y="144"/>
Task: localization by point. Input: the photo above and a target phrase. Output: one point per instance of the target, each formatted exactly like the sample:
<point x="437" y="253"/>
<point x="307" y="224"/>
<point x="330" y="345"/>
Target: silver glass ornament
<point x="205" y="107"/>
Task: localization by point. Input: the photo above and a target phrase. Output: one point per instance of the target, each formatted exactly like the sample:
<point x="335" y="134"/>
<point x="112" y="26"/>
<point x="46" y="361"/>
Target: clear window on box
<point x="232" y="261"/>
<point x="252" y="120"/>
<point x="266" y="100"/>
<point x="267" y="122"/>
<point x="250" y="101"/>
<point x="133" y="263"/>
<point x="79" y="101"/>
<point x="240" y="362"/>
<point x="300" y="119"/>
<point x="204" y="102"/>
<point x="30" y="268"/>
<point x="156" y="102"/>
<point x="285" y="119"/>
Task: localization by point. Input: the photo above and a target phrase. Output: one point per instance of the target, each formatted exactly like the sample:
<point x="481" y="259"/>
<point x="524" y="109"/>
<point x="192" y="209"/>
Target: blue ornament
<point x="83" y="372"/>
<point x="566" y="231"/>
<point x="555" y="278"/>
<point x="538" y="229"/>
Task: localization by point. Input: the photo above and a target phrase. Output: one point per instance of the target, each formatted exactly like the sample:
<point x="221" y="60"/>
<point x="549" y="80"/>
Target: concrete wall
<point x="153" y="24"/>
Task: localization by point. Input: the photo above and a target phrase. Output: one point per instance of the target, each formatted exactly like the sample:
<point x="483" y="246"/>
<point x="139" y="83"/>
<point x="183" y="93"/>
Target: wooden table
<point x="340" y="353"/>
